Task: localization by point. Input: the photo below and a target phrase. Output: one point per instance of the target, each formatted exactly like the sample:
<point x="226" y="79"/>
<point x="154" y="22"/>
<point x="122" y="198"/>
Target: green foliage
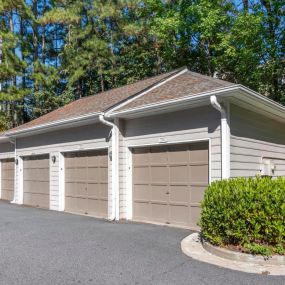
<point x="245" y="211"/>
<point x="52" y="47"/>
<point x="260" y="249"/>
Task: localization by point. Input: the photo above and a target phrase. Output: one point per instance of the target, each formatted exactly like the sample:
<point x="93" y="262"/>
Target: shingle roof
<point x="172" y="85"/>
<point x="185" y="84"/>
<point x="96" y="103"/>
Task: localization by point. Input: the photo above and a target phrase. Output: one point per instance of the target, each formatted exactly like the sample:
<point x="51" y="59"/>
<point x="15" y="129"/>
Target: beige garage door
<point x="86" y="183"/>
<point x="36" y="181"/>
<point x="7" y="175"/>
<point x="169" y="183"/>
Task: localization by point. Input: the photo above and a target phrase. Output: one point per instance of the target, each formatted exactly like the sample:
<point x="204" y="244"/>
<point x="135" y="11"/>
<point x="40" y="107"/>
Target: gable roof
<point x="168" y="90"/>
<point x="186" y="83"/>
<point x="94" y="104"/>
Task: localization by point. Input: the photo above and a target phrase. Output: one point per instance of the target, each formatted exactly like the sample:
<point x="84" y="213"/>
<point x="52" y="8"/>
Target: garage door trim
<point x="161" y="142"/>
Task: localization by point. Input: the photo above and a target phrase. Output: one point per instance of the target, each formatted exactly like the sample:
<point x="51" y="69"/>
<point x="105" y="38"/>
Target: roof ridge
<point x="133" y="83"/>
<point x="208" y="77"/>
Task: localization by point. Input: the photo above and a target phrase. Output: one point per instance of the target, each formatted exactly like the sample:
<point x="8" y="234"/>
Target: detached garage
<point x="146" y="151"/>
<point x="86" y="183"/>
<point x="169" y="183"/>
<point x="36" y="181"/>
<point x="7" y="179"/>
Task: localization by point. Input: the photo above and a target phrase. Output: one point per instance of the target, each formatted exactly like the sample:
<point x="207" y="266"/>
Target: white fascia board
<point x="72" y="122"/>
<point x="256" y="102"/>
<point x="173" y="104"/>
<point x="236" y="93"/>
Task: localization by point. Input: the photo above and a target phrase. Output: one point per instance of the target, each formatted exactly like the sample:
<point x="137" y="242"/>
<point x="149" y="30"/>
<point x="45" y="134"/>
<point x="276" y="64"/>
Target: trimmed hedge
<point x="248" y="212"/>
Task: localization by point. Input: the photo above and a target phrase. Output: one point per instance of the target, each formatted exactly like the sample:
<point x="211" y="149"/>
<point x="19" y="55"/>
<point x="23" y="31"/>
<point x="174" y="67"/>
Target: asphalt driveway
<point x="47" y="247"/>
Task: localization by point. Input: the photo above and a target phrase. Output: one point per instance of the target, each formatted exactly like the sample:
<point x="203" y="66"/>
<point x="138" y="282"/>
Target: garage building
<point x="145" y="151"/>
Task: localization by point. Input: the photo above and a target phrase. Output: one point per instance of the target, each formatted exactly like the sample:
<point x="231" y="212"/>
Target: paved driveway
<point x="46" y="247"/>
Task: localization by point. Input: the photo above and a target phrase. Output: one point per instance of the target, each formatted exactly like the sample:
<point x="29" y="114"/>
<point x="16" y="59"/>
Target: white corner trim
<point x="145" y="92"/>
<point x="61" y="183"/>
<point x="115" y="215"/>
<point x="225" y="135"/>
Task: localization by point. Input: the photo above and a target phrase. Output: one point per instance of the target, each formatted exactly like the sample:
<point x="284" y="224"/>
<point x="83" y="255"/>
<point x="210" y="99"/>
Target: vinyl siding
<point x="254" y="137"/>
<point x="201" y="123"/>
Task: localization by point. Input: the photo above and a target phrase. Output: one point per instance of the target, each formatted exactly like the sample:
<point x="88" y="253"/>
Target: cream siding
<point x="254" y="137"/>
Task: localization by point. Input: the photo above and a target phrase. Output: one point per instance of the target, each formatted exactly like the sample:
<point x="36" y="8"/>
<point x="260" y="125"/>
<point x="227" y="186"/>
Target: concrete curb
<point x="192" y="247"/>
<point x="244" y="257"/>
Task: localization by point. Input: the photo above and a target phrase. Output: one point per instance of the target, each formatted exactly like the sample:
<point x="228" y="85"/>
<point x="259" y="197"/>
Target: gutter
<point x="225" y="136"/>
<point x="44" y="127"/>
<point x="114" y="157"/>
<point x="172" y="102"/>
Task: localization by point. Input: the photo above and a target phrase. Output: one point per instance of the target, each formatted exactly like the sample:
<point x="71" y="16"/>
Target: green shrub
<point x="245" y="211"/>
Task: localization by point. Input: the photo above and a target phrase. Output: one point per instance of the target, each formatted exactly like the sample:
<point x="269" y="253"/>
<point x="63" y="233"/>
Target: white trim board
<point x="129" y="181"/>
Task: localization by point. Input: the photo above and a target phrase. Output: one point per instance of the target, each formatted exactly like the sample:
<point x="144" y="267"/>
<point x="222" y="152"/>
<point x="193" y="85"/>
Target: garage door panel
<point x="159" y="212"/>
<point x="70" y="174"/>
<point x="159" y="193"/>
<point x="8" y="184"/>
<point x="159" y="174"/>
<point x="87" y="183"/>
<point x="101" y="207"/>
<point x="140" y="158"/>
<point x="142" y="211"/>
<point x="95" y="174"/>
<point x="179" y="174"/>
<point x="36" y="200"/>
<point x="97" y="190"/>
<point x="94" y="190"/>
<point x="7" y="194"/>
<point x="70" y="189"/>
<point x="199" y="152"/>
<point x="197" y="193"/>
<point x="176" y="179"/>
<point x="199" y="173"/>
<point x="142" y="192"/>
<point x="158" y="155"/>
<point x="141" y="175"/>
<point x="179" y="194"/>
<point x="179" y="215"/>
<point x="104" y="174"/>
<point x="178" y="154"/>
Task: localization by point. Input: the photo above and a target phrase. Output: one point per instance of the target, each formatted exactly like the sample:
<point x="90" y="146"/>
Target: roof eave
<point x="57" y="125"/>
<point x="233" y="93"/>
<point x="172" y="105"/>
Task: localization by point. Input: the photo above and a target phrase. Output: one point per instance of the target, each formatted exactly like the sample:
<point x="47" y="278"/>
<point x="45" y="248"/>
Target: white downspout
<point x="225" y="137"/>
<point x="115" y="167"/>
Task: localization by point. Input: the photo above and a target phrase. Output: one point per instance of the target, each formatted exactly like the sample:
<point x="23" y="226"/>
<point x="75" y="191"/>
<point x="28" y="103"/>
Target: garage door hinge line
<point x="115" y="167"/>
